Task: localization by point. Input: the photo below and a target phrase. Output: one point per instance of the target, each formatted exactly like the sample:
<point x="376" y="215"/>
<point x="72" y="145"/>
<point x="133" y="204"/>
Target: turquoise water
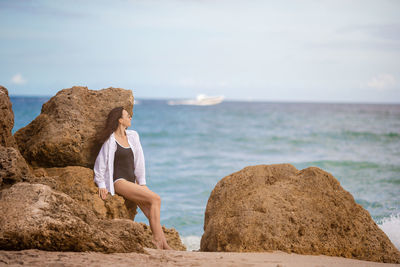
<point x="188" y="149"/>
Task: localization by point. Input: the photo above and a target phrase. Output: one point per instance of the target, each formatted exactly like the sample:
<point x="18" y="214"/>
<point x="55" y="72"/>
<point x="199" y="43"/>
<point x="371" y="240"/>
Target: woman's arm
<point x="100" y="166"/>
<point x="140" y="171"/>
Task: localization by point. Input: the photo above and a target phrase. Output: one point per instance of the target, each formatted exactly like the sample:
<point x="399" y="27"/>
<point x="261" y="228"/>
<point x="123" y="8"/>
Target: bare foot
<point x="158" y="244"/>
<point x="166" y="246"/>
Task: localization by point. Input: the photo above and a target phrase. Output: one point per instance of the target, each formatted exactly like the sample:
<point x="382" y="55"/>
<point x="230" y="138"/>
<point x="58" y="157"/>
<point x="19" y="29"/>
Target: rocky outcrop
<point x="35" y="216"/>
<point x="277" y="207"/>
<point x="59" y="209"/>
<point x="64" y="133"/>
<point x="7" y="119"/>
<point x="13" y="168"/>
<point x="77" y="182"/>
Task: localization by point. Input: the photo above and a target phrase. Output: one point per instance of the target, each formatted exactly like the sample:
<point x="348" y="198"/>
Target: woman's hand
<point x="103" y="193"/>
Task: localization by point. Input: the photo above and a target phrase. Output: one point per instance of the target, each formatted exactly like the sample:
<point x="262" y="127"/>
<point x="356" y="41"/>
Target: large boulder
<point x="64" y="134"/>
<point x="7" y="119"/>
<point x="277" y="207"/>
<point x="36" y="217"/>
<point x="77" y="182"/>
<point x="13" y="167"/>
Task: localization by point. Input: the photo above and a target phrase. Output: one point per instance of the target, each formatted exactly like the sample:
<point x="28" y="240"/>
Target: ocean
<point x="188" y="149"/>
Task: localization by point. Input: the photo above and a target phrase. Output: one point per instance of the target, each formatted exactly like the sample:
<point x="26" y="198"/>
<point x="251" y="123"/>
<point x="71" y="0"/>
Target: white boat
<point x="201" y="100"/>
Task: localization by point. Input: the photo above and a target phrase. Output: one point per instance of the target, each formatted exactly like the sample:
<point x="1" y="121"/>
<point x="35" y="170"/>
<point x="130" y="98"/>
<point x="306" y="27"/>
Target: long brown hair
<point x="111" y="124"/>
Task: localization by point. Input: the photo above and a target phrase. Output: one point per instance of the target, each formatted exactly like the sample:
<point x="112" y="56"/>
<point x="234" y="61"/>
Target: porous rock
<point x="77" y="182"/>
<point x="64" y="134"/>
<point x="277" y="207"/>
<point x="34" y="216"/>
<point x="7" y="119"/>
<point x="13" y="167"/>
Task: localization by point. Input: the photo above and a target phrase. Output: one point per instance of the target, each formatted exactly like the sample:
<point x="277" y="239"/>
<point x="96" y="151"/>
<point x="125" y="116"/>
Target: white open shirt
<point x="104" y="165"/>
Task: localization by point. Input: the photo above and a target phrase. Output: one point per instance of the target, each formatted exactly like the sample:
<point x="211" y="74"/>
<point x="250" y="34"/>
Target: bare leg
<point x="146" y="211"/>
<point x="149" y="202"/>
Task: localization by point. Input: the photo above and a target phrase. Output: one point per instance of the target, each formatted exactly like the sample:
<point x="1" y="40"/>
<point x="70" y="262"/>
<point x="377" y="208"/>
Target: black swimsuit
<point x="124" y="166"/>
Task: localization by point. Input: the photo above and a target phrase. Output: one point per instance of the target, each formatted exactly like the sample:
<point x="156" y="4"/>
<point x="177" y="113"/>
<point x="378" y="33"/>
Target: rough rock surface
<point x="277" y="207"/>
<point x="64" y="133"/>
<point x="7" y="119"/>
<point x="77" y="182"/>
<point x="35" y="216"/>
<point x="13" y="167"/>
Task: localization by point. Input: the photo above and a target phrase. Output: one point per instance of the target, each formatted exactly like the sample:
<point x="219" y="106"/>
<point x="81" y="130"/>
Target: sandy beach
<point x="34" y="257"/>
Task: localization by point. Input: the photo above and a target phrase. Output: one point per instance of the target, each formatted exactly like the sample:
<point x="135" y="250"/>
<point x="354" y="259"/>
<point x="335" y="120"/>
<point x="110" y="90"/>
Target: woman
<point x="119" y="162"/>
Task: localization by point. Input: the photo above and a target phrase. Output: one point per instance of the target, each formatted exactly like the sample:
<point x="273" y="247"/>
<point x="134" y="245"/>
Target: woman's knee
<point x="155" y="199"/>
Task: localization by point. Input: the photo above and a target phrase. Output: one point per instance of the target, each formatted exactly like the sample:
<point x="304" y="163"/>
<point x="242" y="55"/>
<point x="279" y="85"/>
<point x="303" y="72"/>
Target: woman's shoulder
<point x="108" y="141"/>
<point x="132" y="133"/>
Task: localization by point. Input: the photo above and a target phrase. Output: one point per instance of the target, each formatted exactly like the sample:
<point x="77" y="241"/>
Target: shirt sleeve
<point x="100" y="166"/>
<point x="140" y="171"/>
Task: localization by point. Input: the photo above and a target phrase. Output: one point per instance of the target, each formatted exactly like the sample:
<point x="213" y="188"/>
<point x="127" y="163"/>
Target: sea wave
<point x="370" y="135"/>
<point x="192" y="242"/>
<point x="391" y="227"/>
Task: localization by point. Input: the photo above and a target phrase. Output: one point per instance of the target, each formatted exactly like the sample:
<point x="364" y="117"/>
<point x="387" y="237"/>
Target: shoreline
<point x="153" y="257"/>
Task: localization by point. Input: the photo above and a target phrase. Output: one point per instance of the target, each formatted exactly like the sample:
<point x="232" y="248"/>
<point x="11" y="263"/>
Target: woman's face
<point x="125" y="120"/>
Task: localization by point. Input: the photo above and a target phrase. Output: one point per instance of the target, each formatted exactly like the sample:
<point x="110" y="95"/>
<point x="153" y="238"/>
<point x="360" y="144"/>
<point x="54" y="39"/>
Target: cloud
<point x="18" y="79"/>
<point x="382" y="82"/>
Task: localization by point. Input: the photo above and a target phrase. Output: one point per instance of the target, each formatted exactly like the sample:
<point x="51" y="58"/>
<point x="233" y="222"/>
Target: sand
<point x="34" y="257"/>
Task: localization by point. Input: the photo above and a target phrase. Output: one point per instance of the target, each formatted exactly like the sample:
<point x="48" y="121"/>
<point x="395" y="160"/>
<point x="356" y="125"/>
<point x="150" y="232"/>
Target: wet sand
<point x="34" y="257"/>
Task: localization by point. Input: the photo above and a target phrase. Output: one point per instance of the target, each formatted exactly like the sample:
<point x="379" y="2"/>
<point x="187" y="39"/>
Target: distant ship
<point x="201" y="100"/>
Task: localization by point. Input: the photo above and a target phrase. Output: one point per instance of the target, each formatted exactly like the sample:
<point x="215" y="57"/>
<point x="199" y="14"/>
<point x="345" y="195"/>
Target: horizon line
<point x="244" y="100"/>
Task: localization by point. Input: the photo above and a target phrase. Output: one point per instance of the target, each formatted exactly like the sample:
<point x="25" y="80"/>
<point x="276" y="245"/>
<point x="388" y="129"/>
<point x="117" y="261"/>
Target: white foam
<point x="391" y="227"/>
<point x="192" y="242"/>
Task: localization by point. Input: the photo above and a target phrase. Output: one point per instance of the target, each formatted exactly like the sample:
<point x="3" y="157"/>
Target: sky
<point x="296" y="51"/>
